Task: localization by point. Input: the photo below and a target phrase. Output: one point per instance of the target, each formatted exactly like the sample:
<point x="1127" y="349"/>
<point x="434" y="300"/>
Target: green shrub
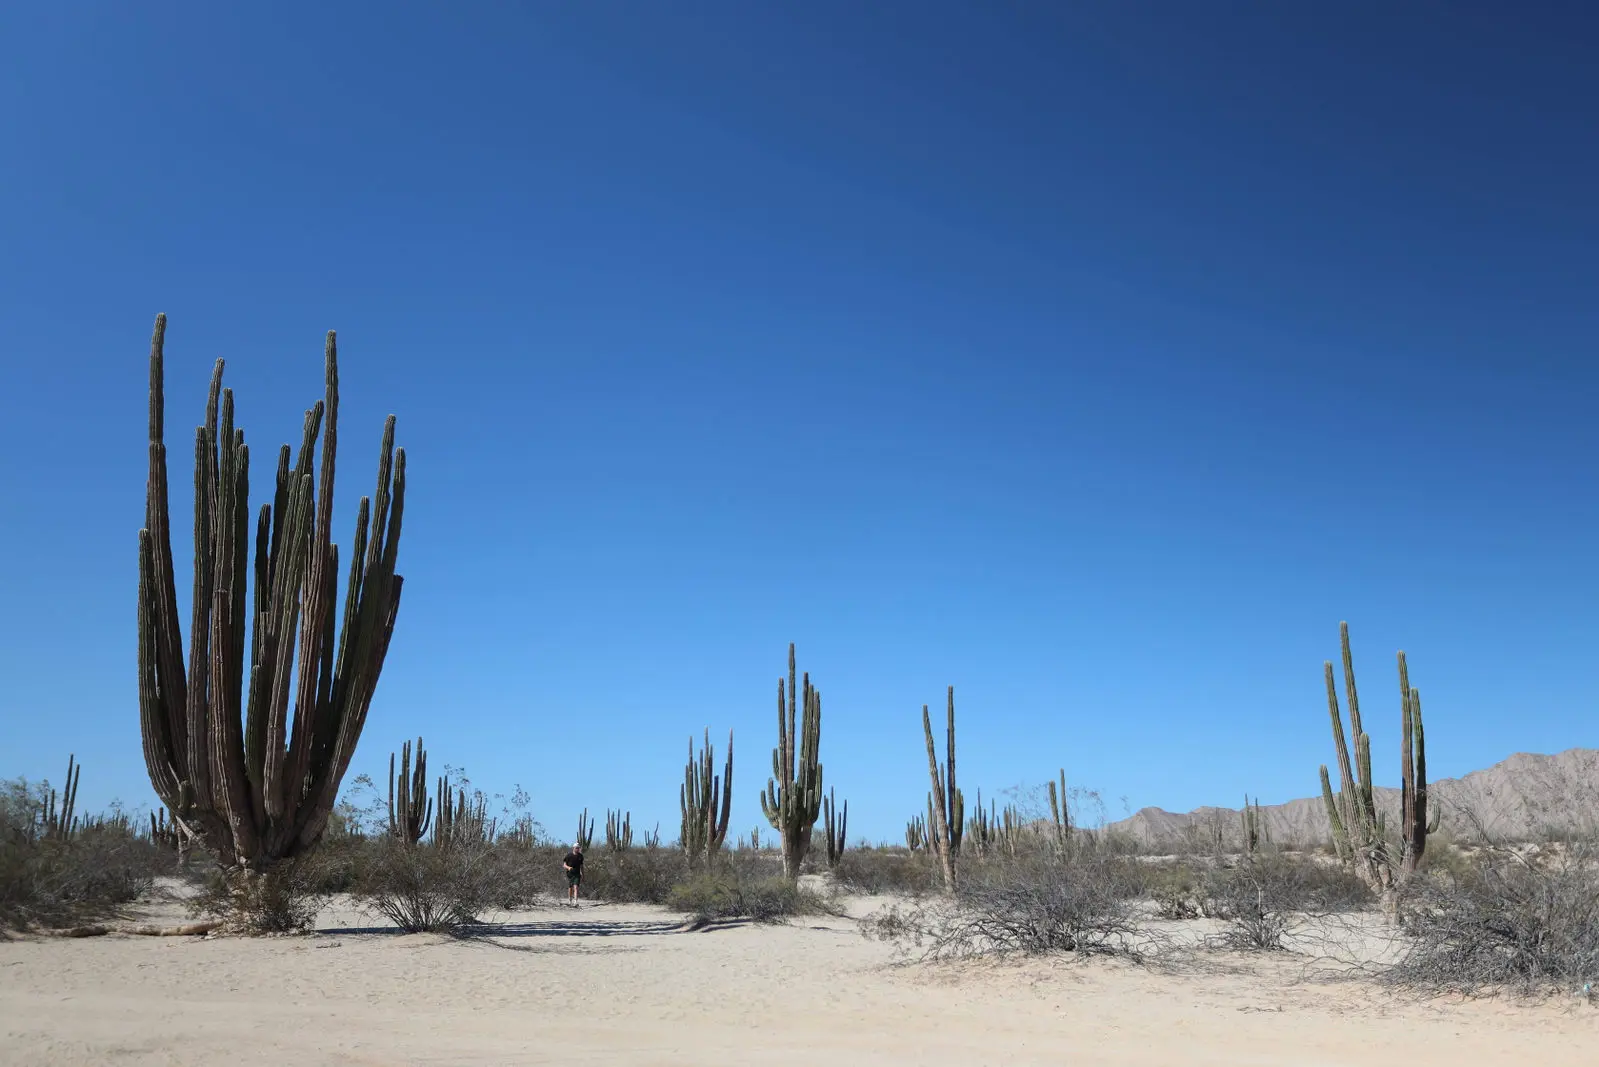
<point x="876" y="871"/>
<point x="722" y="895"/>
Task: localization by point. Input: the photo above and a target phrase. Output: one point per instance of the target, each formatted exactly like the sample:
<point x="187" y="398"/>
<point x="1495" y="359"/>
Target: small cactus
<point x="836" y="823"/>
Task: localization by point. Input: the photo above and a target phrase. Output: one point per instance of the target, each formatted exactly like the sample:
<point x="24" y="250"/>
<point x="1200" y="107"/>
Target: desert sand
<point x="629" y="985"/>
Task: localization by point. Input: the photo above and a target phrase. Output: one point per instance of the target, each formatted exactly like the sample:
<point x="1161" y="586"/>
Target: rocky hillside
<point x="1516" y="799"/>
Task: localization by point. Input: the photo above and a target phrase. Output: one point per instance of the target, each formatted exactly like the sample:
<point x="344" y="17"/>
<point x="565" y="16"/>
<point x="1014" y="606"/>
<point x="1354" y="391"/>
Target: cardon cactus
<point x="1359" y="829"/>
<point x="793" y="799"/>
<point x="618" y="830"/>
<point x="248" y="744"/>
<point x="410" y="807"/>
<point x="1060" y="815"/>
<point x="706" y="801"/>
<point x="60" y="819"/>
<point x="835" y="821"/>
<point x="946" y="807"/>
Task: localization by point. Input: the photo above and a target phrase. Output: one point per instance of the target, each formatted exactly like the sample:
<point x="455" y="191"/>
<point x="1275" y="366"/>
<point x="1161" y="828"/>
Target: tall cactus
<point x="946" y="807"/>
<point x="706" y="801"/>
<point x="254" y="778"/>
<point x="793" y="799"/>
<point x="836" y="823"/>
<point x="410" y="807"/>
<point x="585" y="831"/>
<point x="1359" y="829"/>
<point x="916" y="838"/>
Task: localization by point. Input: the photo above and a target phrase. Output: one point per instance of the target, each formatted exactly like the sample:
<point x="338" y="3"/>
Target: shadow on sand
<point x="554" y="928"/>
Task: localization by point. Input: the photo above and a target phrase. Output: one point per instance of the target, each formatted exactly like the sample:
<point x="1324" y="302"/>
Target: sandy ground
<point x="627" y="985"/>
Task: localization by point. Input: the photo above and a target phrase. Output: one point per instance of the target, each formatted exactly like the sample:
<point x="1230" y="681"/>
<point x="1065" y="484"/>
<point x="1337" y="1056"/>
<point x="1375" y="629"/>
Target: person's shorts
<point x="573" y="878"/>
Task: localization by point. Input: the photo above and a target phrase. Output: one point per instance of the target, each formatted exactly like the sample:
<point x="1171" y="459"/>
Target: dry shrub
<point x="1513" y="921"/>
<point x="285" y="899"/>
<point x="1084" y="904"/>
<point x="427" y="887"/>
<point x="875" y="871"/>
<point x="1269" y="895"/>
<point x="1175" y="891"/>
<point x="726" y="894"/>
<point x="52" y="882"/>
<point x="633" y="876"/>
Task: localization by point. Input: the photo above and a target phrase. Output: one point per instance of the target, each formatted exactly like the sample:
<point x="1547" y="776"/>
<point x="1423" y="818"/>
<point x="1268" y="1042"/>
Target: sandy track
<point x="624" y="985"/>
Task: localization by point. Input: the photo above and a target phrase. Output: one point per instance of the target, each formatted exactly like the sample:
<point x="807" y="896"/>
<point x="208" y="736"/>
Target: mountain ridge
<point x="1523" y="796"/>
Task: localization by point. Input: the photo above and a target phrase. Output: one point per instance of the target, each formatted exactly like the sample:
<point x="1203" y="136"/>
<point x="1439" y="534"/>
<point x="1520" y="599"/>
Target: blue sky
<point x="1095" y="359"/>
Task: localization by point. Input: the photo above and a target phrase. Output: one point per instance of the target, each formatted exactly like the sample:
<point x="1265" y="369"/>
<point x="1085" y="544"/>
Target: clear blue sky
<point x="1094" y="358"/>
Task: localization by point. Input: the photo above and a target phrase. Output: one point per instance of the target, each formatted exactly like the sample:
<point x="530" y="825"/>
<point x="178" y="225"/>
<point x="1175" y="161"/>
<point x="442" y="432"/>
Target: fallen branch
<point x="143" y="930"/>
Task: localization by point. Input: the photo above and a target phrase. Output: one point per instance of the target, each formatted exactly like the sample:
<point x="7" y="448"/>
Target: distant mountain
<point x="1515" y="800"/>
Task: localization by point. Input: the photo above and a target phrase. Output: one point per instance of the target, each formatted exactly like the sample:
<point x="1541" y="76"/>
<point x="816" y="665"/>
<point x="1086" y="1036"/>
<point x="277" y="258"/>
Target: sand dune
<point x="626" y="985"/>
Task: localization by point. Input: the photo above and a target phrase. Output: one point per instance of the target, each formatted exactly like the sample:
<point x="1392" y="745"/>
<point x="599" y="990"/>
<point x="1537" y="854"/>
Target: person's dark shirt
<point x="574" y="860"/>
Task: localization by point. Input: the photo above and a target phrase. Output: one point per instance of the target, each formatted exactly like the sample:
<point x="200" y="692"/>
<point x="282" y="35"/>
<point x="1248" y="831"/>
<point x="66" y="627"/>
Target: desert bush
<point x="725" y="894"/>
<point x="633" y="876"/>
<point x="1175" y="891"/>
<point x="1083" y="904"/>
<point x="59" y="882"/>
<point x="1266" y="896"/>
<point x="1511" y="921"/>
<point x="876" y="871"/>
<point x="426" y="887"/>
<point x="282" y="900"/>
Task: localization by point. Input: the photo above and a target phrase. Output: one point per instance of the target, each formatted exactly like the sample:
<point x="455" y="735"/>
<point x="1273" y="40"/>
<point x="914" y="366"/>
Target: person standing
<point x="574" y="872"/>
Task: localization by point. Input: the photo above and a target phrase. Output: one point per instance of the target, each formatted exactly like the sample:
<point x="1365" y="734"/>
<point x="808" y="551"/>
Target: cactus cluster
<point x="1359" y="829"/>
<point x="706" y="801"/>
<point x="793" y="799"/>
<point x="410" y="807"/>
<point x="585" y="831"/>
<point x="946" y="807"/>
<point x="247" y="744"/>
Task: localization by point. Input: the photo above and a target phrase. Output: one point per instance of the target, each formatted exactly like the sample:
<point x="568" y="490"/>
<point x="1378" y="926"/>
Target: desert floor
<point x="628" y="985"/>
